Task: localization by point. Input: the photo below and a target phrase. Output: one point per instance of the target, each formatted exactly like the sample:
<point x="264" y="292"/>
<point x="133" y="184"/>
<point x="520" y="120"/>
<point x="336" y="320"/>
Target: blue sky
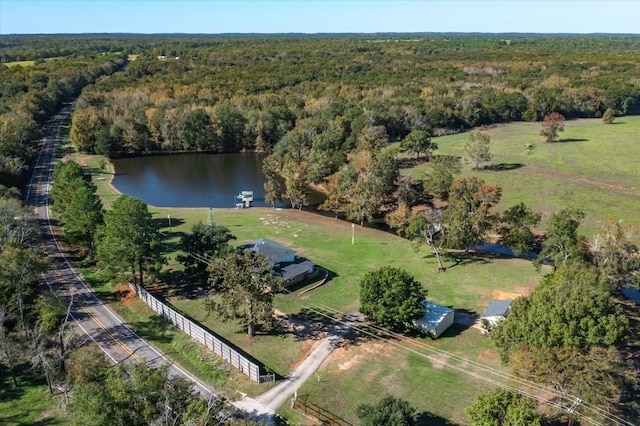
<point x="318" y="16"/>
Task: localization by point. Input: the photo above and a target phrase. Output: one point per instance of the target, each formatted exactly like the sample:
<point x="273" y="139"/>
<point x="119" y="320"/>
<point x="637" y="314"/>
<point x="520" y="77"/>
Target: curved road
<point x="116" y="339"/>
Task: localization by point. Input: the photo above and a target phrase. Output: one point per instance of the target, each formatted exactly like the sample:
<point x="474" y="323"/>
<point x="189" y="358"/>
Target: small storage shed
<point x="436" y="320"/>
<point x="496" y="312"/>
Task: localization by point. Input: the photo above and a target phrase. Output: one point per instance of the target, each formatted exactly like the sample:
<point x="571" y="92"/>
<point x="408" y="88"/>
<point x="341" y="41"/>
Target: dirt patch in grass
<point x="488" y="356"/>
<point x="307" y="346"/>
<point x="125" y="295"/>
<point x="354" y="355"/>
<point x="505" y="295"/>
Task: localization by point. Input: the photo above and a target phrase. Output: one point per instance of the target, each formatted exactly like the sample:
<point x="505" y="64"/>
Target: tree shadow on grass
<point x="407" y="162"/>
<point x="430" y="419"/>
<point x="305" y="324"/>
<point x="573" y="140"/>
<point x="25" y="378"/>
<point x="454" y="259"/>
<point x="154" y="328"/>
<point x="501" y="167"/>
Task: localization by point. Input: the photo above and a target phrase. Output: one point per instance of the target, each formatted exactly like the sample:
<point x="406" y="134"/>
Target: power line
<point x="571" y="402"/>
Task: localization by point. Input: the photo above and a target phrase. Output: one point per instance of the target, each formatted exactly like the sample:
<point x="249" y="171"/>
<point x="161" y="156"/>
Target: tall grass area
<point x="594" y="166"/>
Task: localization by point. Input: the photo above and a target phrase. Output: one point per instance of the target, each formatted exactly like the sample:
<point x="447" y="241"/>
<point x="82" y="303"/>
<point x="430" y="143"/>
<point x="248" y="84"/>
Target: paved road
<point x="116" y="339"/>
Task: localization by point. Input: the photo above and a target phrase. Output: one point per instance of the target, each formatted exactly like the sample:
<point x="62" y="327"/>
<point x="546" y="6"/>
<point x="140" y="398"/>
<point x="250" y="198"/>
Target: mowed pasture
<point x="594" y="166"/>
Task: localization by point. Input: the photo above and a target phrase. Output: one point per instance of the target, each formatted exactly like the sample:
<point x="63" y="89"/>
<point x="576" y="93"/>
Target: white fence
<point x="203" y="336"/>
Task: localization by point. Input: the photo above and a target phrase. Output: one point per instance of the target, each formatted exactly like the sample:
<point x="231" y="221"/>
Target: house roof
<point x="293" y="270"/>
<point x="434" y="313"/>
<point x="273" y="251"/>
<point x="497" y="308"/>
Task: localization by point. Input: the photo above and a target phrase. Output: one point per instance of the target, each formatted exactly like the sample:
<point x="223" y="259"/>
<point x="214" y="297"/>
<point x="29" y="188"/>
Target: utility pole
<point x="572" y="410"/>
<point x="353" y="233"/>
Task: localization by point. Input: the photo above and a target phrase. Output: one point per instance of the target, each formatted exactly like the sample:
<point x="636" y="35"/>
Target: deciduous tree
<point x="440" y="174"/>
<point x="20" y="269"/>
<point x="391" y="297"/>
<point x="390" y="411"/>
<point x="516" y="229"/>
<point x="563" y="245"/>
<point x="201" y="246"/>
<point x="335" y="195"/>
<point x="419" y="141"/>
<point x="503" y="408"/>
<point x="245" y="284"/>
<point x="468" y="216"/>
<point x="615" y="253"/>
<point x="296" y="180"/>
<point x="551" y="125"/>
<point x="572" y="307"/>
<point x="274" y="187"/>
<point x="427" y="227"/>
<point x="477" y="148"/>
<point x="598" y="375"/>
<point x="15" y="226"/>
<point x="371" y="179"/>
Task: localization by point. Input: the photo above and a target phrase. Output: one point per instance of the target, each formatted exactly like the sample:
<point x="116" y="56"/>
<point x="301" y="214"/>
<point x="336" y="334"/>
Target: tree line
<point x="30" y="96"/>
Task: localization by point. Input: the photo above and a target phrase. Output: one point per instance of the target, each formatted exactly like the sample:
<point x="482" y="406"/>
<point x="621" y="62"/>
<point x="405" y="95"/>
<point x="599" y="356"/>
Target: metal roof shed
<point x="436" y="320"/>
<point x="496" y="311"/>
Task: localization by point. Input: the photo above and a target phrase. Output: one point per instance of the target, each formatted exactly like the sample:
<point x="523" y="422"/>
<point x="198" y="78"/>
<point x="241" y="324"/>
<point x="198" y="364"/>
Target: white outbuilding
<point x="497" y="311"/>
<point x="436" y="320"/>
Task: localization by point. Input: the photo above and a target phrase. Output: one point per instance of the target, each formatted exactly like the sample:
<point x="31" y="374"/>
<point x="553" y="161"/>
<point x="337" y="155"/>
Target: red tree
<point x="551" y="125"/>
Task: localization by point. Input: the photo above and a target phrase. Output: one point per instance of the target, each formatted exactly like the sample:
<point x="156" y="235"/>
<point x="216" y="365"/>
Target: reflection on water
<point x="192" y="180"/>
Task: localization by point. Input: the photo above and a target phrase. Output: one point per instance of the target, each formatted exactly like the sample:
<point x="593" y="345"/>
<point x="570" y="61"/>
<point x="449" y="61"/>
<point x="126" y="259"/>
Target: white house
<point x="436" y="320"/>
<point x="496" y="311"/>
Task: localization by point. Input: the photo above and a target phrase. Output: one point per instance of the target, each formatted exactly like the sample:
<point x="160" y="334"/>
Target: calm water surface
<point x="191" y="180"/>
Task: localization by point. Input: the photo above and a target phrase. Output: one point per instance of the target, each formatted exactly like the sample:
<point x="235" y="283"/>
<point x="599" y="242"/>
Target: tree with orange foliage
<point x="551" y="125"/>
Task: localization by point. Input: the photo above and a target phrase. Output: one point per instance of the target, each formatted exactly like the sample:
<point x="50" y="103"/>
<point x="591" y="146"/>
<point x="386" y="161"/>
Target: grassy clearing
<point x="594" y="166"/>
<point x="20" y="63"/>
<point x="29" y="404"/>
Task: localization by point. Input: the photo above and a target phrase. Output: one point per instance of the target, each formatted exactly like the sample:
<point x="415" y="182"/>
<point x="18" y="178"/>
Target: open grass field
<point x="593" y="166"/>
<point x="20" y="63"/>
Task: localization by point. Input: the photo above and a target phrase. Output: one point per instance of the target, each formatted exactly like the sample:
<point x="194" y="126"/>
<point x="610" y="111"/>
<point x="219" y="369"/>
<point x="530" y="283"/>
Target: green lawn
<point x="468" y="286"/>
<point x="593" y="166"/>
<point x="30" y="403"/>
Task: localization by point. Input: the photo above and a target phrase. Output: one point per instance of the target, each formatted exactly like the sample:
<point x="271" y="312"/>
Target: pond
<point x="193" y="180"/>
